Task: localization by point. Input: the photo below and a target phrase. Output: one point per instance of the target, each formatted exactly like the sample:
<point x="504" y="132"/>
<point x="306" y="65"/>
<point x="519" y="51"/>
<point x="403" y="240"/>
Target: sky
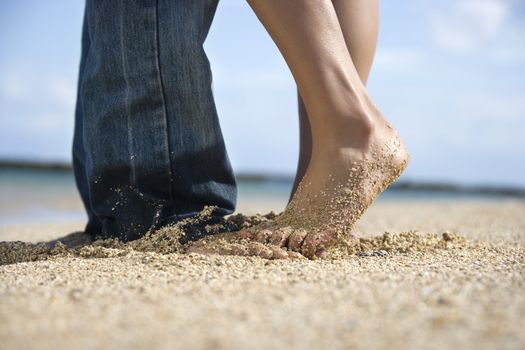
<point x="448" y="74"/>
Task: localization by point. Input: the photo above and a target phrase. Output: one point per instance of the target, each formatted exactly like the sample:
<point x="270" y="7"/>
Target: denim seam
<point x="163" y="98"/>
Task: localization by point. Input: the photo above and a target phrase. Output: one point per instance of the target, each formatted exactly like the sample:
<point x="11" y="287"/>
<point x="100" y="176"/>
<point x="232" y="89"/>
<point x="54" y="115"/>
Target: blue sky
<point x="449" y="74"/>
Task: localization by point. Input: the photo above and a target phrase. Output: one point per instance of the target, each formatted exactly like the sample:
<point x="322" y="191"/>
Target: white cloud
<point x="466" y="25"/>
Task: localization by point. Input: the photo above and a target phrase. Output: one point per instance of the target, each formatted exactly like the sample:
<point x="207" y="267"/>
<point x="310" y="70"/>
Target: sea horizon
<point x="39" y="192"/>
<point x="286" y="179"/>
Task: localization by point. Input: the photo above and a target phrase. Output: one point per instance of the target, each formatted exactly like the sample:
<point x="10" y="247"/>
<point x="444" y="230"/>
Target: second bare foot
<point x="345" y="175"/>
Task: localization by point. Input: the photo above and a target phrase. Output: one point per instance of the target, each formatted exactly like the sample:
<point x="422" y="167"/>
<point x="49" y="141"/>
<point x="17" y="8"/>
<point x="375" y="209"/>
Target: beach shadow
<point x="18" y="251"/>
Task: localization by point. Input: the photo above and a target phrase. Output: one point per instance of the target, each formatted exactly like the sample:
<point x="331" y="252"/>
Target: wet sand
<point x="414" y="289"/>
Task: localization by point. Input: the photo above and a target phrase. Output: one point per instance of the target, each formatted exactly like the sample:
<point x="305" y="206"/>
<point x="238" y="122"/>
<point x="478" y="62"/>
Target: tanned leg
<point x="356" y="154"/>
<point x="359" y="21"/>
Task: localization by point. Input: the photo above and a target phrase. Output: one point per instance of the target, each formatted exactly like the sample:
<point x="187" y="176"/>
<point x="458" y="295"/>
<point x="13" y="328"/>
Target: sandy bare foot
<point x="342" y="181"/>
<point x="268" y="244"/>
<point x="356" y="159"/>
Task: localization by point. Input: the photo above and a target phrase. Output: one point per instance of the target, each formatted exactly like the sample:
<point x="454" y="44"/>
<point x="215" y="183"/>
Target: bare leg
<point x="355" y="154"/>
<point x="359" y="21"/>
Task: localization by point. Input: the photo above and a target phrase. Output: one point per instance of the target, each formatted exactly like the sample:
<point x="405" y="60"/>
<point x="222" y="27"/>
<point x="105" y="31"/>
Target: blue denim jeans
<point x="148" y="149"/>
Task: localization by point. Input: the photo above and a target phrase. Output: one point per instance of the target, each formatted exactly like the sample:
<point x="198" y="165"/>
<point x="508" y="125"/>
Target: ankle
<point x="360" y="119"/>
<point x="355" y="123"/>
<point x="343" y="106"/>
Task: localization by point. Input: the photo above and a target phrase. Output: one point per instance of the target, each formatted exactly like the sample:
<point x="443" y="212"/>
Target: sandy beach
<point x="416" y="292"/>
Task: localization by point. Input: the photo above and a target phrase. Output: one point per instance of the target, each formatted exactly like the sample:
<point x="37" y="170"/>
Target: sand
<point x="420" y="289"/>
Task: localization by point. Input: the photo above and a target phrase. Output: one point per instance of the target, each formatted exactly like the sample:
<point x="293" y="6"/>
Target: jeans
<point x="148" y="150"/>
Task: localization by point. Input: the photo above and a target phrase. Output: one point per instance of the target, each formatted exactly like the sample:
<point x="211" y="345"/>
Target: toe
<point x="317" y="242"/>
<point x="279" y="253"/>
<point x="295" y="255"/>
<point x="280" y="237"/>
<point x="296" y="239"/>
<point x="260" y="250"/>
<point x="234" y="249"/>
<point x="262" y="236"/>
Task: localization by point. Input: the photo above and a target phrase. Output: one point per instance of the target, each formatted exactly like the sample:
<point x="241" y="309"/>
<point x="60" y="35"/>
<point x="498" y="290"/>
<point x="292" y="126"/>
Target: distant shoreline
<point x="413" y="186"/>
<point x="34" y="165"/>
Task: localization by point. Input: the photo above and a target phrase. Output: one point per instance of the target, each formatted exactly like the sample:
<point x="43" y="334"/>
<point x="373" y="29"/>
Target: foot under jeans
<point x="148" y="149"/>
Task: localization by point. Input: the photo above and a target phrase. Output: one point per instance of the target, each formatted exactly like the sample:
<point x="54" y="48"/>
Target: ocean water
<point x="46" y="196"/>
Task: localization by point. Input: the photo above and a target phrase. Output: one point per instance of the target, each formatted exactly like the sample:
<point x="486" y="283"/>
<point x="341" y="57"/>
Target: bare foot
<point x="293" y="239"/>
<point x="344" y="177"/>
<point x="357" y="158"/>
